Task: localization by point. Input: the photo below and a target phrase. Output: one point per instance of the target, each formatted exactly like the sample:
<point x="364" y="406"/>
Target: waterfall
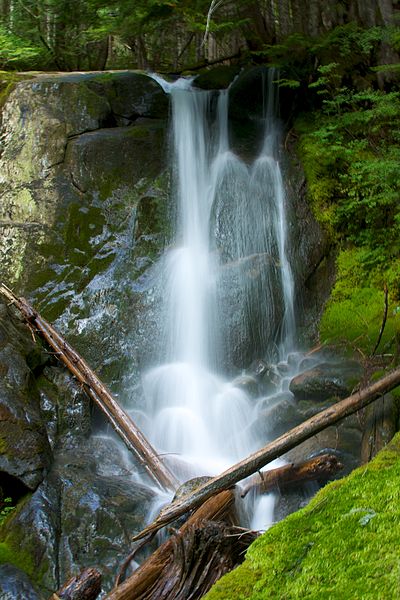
<point x="230" y="235"/>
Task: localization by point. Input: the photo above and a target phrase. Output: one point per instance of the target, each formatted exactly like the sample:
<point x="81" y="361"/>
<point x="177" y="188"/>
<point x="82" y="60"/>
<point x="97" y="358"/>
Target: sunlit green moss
<point x="344" y="544"/>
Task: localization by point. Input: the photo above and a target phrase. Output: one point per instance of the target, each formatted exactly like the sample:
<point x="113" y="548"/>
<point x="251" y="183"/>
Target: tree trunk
<point x="316" y="469"/>
<point x="273" y="450"/>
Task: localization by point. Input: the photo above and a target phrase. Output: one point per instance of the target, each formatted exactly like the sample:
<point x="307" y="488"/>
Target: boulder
<point x="327" y="381"/>
<point x="42" y="121"/>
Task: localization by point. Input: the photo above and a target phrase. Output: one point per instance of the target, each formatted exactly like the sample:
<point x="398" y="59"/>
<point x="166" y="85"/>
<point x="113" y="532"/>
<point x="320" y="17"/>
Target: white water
<point x="198" y="420"/>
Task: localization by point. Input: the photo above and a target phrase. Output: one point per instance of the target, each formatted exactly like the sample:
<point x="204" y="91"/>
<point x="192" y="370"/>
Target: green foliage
<point x="6" y="509"/>
<point x="344" y="544"/>
<point x="16" y="52"/>
<point x="351" y="162"/>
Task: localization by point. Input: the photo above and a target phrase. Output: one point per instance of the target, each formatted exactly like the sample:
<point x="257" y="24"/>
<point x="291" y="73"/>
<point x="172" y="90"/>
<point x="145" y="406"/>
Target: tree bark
<point x="120" y="420"/>
<point x="317" y="468"/>
<point x="85" y="586"/>
<point x="273" y="450"/>
<point x="191" y="561"/>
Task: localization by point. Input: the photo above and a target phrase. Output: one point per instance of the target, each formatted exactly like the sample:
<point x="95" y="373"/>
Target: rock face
<point x="41" y="180"/>
<point x="82" y="175"/>
<point x="24" y="447"/>
<point x="86" y="502"/>
<point x="84" y="216"/>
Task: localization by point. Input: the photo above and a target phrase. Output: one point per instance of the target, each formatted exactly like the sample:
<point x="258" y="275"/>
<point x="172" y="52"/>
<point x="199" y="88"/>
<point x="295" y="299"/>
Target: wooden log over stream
<point x="317" y="468"/>
<point x="119" y="419"/>
<point x="275" y="449"/>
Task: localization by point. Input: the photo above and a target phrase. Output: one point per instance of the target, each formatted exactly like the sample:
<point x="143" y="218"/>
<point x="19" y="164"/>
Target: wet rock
<point x="342" y="440"/>
<point x="137" y="95"/>
<point x="102" y="159"/>
<point x="189" y="486"/>
<point x="15" y="584"/>
<point x="41" y="205"/>
<point x="67" y="408"/>
<point x="83" y="514"/>
<point x="24" y="447"/>
<point x="246" y="94"/>
<point x="271" y="379"/>
<point x="248" y="325"/>
<point x="326" y="381"/>
<point x="258" y="368"/>
<point x="247" y="384"/>
<point x="31" y="535"/>
<point x="217" y="78"/>
<point x="276" y="415"/>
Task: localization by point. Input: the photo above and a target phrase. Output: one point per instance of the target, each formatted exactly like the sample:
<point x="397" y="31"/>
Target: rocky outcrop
<point x="82" y="176"/>
<point x="43" y="121"/>
<point x="83" y="217"/>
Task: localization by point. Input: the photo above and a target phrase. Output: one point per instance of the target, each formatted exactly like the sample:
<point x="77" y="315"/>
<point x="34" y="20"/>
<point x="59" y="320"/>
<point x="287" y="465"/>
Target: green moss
<point x="23" y="561"/>
<point x="344" y="544"/>
<point x="354" y="313"/>
<point x="7" y="84"/>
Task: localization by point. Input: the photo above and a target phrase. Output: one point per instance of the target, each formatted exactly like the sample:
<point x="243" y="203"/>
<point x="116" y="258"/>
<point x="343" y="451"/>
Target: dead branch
<point x="317" y="468"/>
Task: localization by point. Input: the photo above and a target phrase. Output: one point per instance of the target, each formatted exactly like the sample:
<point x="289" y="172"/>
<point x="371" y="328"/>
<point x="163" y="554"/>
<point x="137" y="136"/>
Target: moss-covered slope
<point x="343" y="545"/>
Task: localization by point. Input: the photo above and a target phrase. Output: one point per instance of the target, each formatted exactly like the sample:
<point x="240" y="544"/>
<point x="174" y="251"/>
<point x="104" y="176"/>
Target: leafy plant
<point x="6" y="509"/>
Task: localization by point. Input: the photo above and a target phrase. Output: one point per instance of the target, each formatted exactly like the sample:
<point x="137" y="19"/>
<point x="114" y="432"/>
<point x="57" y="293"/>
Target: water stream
<point x="230" y="231"/>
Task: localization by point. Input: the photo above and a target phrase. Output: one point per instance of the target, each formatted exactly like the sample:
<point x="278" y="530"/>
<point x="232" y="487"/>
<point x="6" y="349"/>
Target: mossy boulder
<point x="41" y="118"/>
<point x="344" y="544"/>
<point x="120" y="156"/>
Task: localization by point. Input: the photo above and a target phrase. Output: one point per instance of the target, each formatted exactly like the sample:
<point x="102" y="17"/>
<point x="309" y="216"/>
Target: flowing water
<point x="230" y="218"/>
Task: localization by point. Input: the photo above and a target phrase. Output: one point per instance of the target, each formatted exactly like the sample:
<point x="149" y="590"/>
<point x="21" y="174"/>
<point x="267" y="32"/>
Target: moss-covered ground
<point x="344" y="545"/>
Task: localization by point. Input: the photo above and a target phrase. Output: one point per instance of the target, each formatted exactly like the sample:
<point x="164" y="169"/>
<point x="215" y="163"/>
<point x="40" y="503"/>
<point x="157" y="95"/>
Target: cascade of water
<point x="227" y="214"/>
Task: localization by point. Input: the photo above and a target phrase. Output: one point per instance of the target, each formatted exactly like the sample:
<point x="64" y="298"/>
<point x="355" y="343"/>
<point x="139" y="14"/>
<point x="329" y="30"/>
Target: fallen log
<point x="275" y="449"/>
<point x="192" y="560"/>
<point x="97" y="391"/>
<point x="85" y="586"/>
<point x="317" y="468"/>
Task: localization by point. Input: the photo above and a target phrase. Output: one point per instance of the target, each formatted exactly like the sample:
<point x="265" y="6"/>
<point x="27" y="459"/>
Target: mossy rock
<point x="344" y="544"/>
<point x="218" y="78"/>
